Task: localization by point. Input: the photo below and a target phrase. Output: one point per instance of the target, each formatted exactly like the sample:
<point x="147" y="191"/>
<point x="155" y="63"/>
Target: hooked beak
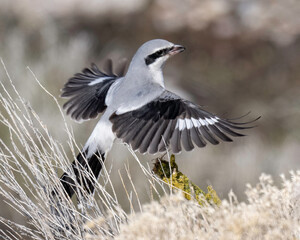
<point x="176" y="49"/>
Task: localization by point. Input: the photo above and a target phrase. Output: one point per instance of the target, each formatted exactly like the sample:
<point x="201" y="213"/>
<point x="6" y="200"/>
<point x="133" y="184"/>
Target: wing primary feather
<point x="81" y="106"/>
<point x="147" y="139"/>
<point x="186" y="140"/>
<point x="233" y="125"/>
<point x="175" y="141"/>
<point x="133" y="132"/>
<point x="165" y="140"/>
<point x="127" y="127"/>
<point x="136" y="143"/>
<point x="196" y="137"/>
<point x="219" y="134"/>
<point x="228" y="130"/>
<point x="153" y="148"/>
<point x="243" y="123"/>
<point x="208" y="136"/>
<point x="118" y="123"/>
<point x="90" y="110"/>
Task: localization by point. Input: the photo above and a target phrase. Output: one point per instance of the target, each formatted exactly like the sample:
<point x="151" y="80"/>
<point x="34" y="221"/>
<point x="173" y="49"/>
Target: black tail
<point x="83" y="169"/>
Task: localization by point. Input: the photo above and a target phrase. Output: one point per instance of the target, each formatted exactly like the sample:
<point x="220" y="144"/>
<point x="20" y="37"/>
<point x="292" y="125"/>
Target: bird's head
<point x="154" y="53"/>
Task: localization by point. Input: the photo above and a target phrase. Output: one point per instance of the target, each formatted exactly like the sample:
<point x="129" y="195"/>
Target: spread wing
<point x="87" y="91"/>
<point x="170" y="121"/>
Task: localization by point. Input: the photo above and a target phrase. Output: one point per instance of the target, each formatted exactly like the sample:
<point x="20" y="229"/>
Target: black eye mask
<point x="160" y="53"/>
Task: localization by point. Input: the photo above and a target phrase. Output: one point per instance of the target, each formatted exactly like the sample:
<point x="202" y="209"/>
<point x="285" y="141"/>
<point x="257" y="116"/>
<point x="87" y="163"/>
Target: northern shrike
<point x="138" y="110"/>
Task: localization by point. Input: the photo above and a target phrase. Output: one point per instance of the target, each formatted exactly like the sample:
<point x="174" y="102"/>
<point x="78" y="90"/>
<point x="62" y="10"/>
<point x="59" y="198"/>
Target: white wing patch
<point x="202" y="122"/>
<point x="195" y="122"/>
<point x="210" y="121"/>
<point x="180" y="124"/>
<point x="98" y="80"/>
<point x="189" y="123"/>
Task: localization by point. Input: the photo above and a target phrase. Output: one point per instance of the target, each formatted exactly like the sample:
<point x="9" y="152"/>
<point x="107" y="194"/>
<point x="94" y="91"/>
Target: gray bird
<point x="138" y="110"/>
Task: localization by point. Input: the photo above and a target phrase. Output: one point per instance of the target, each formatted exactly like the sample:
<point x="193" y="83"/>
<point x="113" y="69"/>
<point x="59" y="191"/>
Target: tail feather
<point x="86" y="171"/>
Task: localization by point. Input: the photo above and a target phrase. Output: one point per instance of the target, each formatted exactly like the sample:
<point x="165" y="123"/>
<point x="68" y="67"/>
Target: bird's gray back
<point x="124" y="96"/>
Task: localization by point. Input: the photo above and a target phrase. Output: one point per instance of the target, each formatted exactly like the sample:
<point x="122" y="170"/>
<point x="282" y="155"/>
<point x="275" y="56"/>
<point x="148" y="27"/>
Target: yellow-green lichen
<point x="169" y="173"/>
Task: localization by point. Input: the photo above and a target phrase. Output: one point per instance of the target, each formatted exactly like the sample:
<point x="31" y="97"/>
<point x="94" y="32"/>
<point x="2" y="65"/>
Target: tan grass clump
<point x="271" y="213"/>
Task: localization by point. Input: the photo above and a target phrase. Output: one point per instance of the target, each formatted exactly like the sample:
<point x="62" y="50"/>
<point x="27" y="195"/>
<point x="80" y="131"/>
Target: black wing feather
<point x="87" y="100"/>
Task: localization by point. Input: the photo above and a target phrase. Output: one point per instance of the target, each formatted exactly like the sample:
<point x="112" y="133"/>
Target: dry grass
<point x="271" y="213"/>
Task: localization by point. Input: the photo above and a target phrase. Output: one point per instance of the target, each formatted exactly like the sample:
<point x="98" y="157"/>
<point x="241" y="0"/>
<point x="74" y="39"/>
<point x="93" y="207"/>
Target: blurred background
<point x="241" y="56"/>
